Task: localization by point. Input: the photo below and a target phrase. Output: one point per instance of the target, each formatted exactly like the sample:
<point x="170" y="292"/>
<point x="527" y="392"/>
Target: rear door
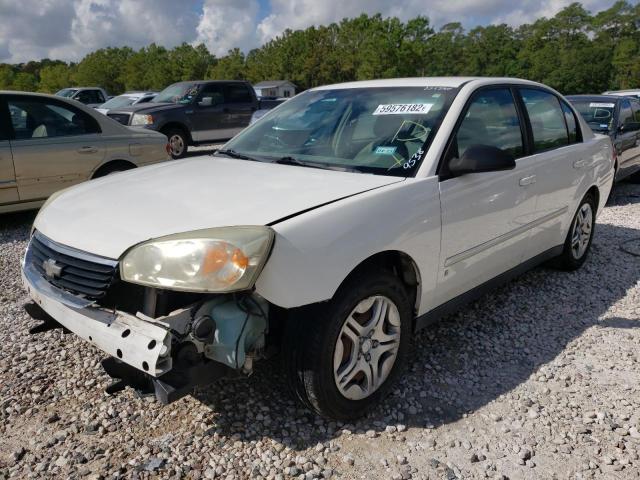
<point x="239" y="103"/>
<point x="8" y="186"/>
<point x="628" y="136"/>
<point x="560" y="161"/>
<point x="485" y="216"/>
<point x="54" y="145"/>
<point x="210" y="118"/>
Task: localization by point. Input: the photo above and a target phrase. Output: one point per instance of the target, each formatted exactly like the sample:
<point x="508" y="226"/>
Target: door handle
<point x="527" y="181"/>
<point x="579" y="164"/>
<point x="87" y="150"/>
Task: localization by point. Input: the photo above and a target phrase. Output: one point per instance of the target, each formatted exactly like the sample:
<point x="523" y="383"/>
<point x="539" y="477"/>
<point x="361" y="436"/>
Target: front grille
<point x="78" y="272"/>
<point x="122" y="118"/>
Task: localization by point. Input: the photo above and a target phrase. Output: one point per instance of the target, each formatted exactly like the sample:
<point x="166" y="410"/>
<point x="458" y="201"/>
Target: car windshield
<point x="178" y="93"/>
<point x="385" y="130"/>
<point x="66" y="92"/>
<point x="598" y="114"/>
<point x="119" y="101"/>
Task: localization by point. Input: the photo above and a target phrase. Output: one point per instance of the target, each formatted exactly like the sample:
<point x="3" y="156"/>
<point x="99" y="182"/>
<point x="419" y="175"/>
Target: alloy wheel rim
<point x="367" y="347"/>
<point x="582" y="229"/>
<point x="177" y="145"/>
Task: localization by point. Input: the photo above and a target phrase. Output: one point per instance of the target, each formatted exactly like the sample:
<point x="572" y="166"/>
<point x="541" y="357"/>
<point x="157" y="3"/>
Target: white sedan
<point x="331" y="230"/>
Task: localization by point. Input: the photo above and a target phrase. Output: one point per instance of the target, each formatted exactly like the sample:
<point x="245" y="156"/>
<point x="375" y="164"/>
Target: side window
<point x="238" y="94"/>
<point x="635" y="106"/>
<point x="41" y="118"/>
<point x="626" y="114"/>
<point x="491" y="119"/>
<point x="214" y="91"/>
<point x="85" y="97"/>
<point x="100" y="97"/>
<point x="635" y="118"/>
<point x="547" y="119"/>
<point x="572" y="123"/>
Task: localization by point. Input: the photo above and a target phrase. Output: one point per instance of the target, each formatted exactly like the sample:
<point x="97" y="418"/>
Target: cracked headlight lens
<point x="214" y="260"/>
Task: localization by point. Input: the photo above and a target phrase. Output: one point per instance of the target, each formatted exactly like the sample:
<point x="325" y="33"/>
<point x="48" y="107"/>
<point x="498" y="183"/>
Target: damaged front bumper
<point x="165" y="356"/>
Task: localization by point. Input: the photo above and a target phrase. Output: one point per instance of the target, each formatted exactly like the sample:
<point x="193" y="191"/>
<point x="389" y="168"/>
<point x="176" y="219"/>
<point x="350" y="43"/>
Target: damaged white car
<point x="329" y="231"/>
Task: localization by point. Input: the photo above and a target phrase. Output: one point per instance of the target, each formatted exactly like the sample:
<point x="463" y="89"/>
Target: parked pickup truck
<point x="190" y="113"/>
<point x="90" y="96"/>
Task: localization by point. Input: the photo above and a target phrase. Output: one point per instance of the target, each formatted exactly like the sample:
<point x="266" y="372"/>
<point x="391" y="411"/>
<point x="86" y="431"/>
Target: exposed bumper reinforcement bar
<point x="167" y="388"/>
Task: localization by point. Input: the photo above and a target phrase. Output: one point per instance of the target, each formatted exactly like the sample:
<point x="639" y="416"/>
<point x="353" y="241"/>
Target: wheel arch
<point x="400" y="264"/>
<point x="177" y="125"/>
<point x="110" y="164"/>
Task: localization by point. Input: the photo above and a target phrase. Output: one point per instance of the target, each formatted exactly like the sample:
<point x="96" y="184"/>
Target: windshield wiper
<point x="234" y="154"/>
<point x="324" y="166"/>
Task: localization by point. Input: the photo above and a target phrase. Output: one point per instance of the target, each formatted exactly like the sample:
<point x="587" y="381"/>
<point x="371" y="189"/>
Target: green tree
<point x="25" y="82"/>
<point x="189" y="63"/>
<point x="148" y="69"/>
<point x="104" y="68"/>
<point x="6" y="77"/>
<point x="230" y="67"/>
<point x="54" y="78"/>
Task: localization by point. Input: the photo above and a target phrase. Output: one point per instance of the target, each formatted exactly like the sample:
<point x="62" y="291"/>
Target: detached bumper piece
<point x="171" y="386"/>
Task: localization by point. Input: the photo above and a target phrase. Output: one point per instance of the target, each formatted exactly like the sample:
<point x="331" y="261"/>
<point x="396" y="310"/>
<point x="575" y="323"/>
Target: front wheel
<point x="580" y="236"/>
<point x="177" y="142"/>
<point x="344" y="359"/>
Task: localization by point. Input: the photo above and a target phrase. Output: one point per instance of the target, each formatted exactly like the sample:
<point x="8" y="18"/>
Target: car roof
<point x="597" y="98"/>
<point x="621" y="92"/>
<point x="34" y="94"/>
<point x="450" y="82"/>
<point x="203" y="82"/>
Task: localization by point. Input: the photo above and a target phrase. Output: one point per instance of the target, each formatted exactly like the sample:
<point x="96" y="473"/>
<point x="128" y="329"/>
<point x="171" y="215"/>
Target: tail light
<point x="167" y="147"/>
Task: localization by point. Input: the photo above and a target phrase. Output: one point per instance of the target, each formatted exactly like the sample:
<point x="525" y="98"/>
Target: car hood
<point x="109" y="215"/>
<point x="148" y="107"/>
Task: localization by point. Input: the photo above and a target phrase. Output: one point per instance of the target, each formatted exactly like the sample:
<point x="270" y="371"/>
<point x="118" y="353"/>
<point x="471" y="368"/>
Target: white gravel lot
<point x="540" y="380"/>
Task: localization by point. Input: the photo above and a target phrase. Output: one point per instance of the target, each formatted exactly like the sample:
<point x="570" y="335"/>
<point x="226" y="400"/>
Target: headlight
<point x="213" y="260"/>
<point x="139" y="119"/>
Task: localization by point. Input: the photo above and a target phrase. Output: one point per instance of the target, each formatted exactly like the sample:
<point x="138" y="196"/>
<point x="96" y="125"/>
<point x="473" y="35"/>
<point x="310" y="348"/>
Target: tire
<point x="178" y="142"/>
<point x="319" y="347"/>
<point x="578" y="241"/>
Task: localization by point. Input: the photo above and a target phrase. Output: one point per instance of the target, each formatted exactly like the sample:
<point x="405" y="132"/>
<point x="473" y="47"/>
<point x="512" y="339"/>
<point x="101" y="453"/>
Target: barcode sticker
<point x="403" y="108"/>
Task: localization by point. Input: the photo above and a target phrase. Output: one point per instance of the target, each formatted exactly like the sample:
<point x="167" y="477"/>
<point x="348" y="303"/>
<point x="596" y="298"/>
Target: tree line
<point x="575" y="52"/>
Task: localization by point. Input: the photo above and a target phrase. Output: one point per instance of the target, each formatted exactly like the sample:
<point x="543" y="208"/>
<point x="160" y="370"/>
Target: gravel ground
<point x="539" y="380"/>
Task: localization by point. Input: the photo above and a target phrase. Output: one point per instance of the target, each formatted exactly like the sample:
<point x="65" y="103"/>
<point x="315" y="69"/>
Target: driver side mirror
<point x="482" y="158"/>
<point x="206" y="102"/>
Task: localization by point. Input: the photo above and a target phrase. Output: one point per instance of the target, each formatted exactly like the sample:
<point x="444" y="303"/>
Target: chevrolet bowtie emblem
<point x="51" y="268"/>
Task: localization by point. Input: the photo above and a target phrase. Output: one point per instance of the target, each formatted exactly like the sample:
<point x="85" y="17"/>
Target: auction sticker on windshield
<point x="401" y="108"/>
<point x="601" y="105"/>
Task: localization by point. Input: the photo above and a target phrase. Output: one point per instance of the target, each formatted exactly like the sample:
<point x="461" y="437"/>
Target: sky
<point x="69" y="29"/>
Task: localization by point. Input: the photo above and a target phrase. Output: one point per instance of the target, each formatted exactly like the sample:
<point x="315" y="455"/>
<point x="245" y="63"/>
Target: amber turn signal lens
<point x="215" y="258"/>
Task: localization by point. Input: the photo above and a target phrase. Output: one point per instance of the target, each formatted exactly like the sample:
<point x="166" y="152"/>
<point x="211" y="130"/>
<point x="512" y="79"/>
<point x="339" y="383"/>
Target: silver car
<point x="48" y="143"/>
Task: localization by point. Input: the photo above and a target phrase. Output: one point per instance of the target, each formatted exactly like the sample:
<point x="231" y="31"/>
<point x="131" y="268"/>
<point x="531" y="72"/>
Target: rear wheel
<point x="580" y="236"/>
<point x="344" y="358"/>
<point x="177" y="142"/>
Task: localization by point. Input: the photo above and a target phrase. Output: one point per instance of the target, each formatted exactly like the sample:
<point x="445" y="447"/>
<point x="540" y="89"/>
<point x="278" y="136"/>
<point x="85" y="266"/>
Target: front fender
<point x="315" y="251"/>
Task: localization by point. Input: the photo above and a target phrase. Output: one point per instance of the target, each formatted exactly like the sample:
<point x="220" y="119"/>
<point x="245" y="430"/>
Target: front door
<point x="54" y="145"/>
<point x="628" y="137"/>
<point x="485" y="216"/>
<point x="210" y="116"/>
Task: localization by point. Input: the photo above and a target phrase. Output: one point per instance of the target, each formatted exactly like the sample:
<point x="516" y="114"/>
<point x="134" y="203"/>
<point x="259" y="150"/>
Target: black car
<point x="192" y="113"/>
<point x="619" y="118"/>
